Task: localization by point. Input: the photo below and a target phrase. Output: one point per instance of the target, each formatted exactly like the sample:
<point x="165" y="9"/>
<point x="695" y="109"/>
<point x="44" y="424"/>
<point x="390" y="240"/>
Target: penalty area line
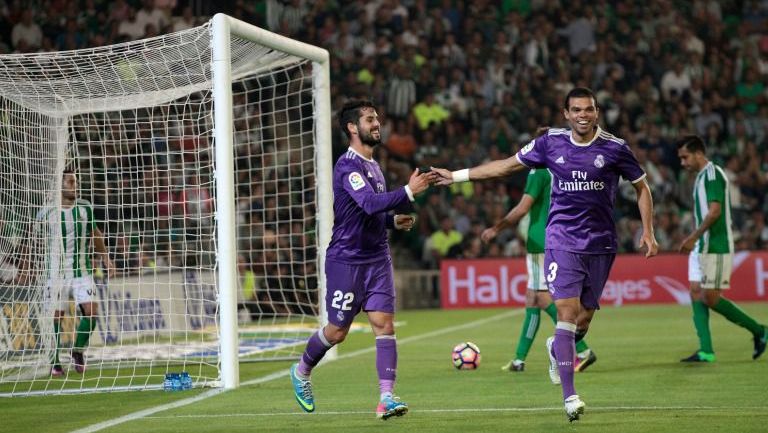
<point x="146" y="413"/>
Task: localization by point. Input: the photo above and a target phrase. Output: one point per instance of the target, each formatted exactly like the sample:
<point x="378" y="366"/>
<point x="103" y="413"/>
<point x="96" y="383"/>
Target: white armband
<point x="460" y="175"/>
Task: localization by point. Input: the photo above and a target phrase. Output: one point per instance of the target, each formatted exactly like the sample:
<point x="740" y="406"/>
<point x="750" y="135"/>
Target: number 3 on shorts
<point x="338" y="296"/>
<point x="552" y="272"/>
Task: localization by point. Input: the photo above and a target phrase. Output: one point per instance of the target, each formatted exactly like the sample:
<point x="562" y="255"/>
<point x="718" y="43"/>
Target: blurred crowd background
<point x="458" y="83"/>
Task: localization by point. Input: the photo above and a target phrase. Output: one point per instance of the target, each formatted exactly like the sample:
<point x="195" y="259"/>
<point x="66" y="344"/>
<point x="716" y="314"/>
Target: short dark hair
<point x="693" y="143"/>
<point x="351" y="112"/>
<point x="579" y="92"/>
<point x="67" y="170"/>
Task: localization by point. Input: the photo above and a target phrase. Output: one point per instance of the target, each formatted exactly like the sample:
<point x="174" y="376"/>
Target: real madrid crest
<point x="599" y="161"/>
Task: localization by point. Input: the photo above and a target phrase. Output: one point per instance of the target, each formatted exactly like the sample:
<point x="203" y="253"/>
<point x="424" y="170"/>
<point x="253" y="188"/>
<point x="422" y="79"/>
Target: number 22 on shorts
<point x="347" y="298"/>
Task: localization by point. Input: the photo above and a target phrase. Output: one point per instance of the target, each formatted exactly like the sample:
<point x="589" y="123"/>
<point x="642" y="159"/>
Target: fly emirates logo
<point x="580" y="183"/>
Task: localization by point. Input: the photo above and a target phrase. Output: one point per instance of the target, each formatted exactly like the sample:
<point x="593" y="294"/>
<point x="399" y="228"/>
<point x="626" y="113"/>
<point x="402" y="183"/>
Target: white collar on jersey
<point x="589" y="143"/>
<point x="358" y="154"/>
<point x="705" y="167"/>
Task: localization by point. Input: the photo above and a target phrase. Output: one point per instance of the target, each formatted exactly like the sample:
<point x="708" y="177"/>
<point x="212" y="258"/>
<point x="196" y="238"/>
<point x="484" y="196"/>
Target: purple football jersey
<point x="585" y="178"/>
<point x="360" y="206"/>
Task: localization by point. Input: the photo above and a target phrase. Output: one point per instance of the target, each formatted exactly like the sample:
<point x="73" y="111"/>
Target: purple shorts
<point x="573" y="275"/>
<point x="351" y="288"/>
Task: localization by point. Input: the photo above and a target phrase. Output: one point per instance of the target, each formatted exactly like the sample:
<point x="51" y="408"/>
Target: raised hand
<point x="443" y="177"/>
<point x="419" y="182"/>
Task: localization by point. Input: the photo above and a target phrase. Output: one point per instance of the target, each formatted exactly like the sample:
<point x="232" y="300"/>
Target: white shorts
<point x="58" y="292"/>
<point x="712" y="270"/>
<point x="694" y="268"/>
<point x="535" y="265"/>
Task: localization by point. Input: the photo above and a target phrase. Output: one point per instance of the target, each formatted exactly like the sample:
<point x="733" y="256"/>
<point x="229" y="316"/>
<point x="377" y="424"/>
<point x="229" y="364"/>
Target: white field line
<point x="153" y="410"/>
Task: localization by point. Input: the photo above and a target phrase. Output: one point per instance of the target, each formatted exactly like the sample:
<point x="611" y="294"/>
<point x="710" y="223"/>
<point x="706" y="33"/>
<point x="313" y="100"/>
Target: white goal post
<point x="223" y="28"/>
<point x="204" y="159"/>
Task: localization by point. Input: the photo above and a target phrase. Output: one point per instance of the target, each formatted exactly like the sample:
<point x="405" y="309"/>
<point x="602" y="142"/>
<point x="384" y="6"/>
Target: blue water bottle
<point x="176" y="379"/>
<point x="172" y="382"/>
<point x="186" y="380"/>
<point x="169" y="384"/>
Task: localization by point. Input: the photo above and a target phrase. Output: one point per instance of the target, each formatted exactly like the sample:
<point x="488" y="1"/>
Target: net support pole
<point x="322" y="95"/>
<point x="221" y="71"/>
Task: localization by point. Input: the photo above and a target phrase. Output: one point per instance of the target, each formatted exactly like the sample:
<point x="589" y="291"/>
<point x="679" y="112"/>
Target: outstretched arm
<point x="373" y="203"/>
<point x="512" y="218"/>
<point x="489" y="170"/>
<point x="645" y="205"/>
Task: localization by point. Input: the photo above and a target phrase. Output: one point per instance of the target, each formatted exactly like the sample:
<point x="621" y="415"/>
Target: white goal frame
<point x="222" y="30"/>
<point x="223" y="27"/>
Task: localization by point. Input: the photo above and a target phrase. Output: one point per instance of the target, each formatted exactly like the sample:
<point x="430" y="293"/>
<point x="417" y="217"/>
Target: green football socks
<point x="701" y="323"/>
<point x="733" y="313"/>
<point x="528" y="333"/>
<point x="581" y="346"/>
<point x="551" y="310"/>
<point x="84" y="329"/>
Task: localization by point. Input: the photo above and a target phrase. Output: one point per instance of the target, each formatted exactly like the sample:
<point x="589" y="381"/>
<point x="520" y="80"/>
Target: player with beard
<point x="358" y="264"/>
<point x="585" y="163"/>
<point x="711" y="250"/>
<point x="73" y="240"/>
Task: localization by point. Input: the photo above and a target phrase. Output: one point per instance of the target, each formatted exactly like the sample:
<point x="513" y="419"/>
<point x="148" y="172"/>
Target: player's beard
<point x="369" y="140"/>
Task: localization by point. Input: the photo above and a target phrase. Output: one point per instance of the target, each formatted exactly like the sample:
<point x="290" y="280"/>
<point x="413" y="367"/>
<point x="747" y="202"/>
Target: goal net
<point x="202" y="159"/>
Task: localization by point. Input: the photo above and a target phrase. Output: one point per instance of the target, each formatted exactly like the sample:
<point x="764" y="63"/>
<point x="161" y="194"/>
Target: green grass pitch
<point x="637" y="384"/>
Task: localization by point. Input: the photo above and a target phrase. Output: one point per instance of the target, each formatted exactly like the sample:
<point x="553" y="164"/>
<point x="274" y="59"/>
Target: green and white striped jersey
<point x="712" y="185"/>
<point x="67" y="234"/>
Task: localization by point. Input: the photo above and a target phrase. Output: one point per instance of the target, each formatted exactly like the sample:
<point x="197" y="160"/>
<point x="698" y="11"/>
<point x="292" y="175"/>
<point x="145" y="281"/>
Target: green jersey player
<point x="72" y="240"/>
<point x="710" y="249"/>
<point x="535" y="203"/>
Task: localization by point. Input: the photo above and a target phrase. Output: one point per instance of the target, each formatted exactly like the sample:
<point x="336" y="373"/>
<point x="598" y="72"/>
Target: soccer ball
<point x="466" y="356"/>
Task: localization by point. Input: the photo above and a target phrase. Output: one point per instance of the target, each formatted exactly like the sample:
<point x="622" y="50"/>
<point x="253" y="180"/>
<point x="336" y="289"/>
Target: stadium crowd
<point x="461" y="82"/>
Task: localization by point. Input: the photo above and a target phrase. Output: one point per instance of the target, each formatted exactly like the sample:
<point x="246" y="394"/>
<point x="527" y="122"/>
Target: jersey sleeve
<point x="536" y="183"/>
<point x="534" y="153"/>
<point x="715" y="187"/>
<point x="363" y="193"/>
<point x="627" y="165"/>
